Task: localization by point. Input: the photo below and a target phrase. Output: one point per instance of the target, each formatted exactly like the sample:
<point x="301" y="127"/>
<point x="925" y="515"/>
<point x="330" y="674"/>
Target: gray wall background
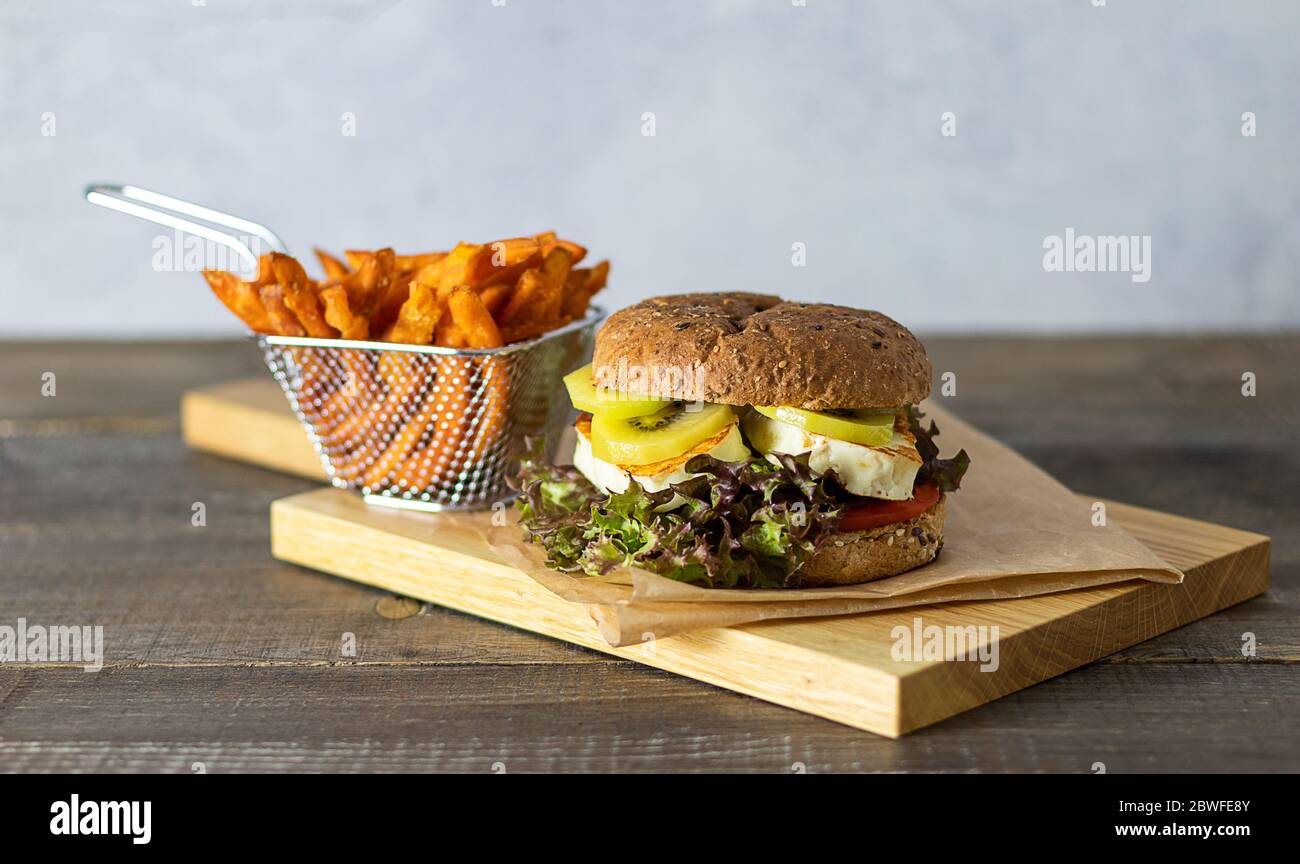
<point x="775" y="123"/>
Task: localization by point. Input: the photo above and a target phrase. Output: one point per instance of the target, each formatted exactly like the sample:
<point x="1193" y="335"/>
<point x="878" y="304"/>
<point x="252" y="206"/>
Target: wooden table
<point x="217" y="654"/>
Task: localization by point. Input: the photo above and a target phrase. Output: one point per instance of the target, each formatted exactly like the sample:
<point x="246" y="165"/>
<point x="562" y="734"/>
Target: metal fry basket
<point x="426" y="427"/>
<point x="416" y="426"/>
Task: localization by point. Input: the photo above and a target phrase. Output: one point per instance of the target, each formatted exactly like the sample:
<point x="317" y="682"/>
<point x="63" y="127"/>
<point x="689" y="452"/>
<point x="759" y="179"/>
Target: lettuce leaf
<point x="746" y="524"/>
<point x="946" y="473"/>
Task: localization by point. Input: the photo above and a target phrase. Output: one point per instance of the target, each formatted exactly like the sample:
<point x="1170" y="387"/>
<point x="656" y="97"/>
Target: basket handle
<point x="161" y="209"/>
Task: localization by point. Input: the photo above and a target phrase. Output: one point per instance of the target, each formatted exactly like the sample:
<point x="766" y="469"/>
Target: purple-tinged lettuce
<point x="746" y="524"/>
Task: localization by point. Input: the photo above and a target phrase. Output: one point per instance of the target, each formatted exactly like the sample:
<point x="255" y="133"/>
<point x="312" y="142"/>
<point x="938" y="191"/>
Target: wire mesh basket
<point x="422" y="426"/>
<point x="416" y="426"/>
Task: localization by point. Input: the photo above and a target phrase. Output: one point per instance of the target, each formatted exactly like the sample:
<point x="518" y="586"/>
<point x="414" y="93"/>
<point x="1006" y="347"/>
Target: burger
<point x="737" y="440"/>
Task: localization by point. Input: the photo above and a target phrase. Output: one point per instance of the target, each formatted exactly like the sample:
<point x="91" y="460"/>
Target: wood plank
<point x="116" y="379"/>
<point x="838" y="668"/>
<point x="1202" y="718"/>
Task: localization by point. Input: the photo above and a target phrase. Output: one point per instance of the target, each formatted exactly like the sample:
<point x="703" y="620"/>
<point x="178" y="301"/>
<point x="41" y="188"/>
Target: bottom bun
<point x="861" y="556"/>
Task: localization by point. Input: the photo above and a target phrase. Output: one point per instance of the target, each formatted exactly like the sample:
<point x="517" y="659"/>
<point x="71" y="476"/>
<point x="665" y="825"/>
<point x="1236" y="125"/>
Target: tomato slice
<point x="874" y="512"/>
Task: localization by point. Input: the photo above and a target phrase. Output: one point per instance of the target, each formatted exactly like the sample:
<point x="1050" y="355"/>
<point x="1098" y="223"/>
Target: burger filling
<point x="727" y="445"/>
<point x="677" y="488"/>
<point x="873" y="471"/>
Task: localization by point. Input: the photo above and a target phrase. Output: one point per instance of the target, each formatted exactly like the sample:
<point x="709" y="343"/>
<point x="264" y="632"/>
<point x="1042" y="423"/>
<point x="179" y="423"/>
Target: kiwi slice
<point x="599" y="401"/>
<point x="665" y="434"/>
<point x="870" y="426"/>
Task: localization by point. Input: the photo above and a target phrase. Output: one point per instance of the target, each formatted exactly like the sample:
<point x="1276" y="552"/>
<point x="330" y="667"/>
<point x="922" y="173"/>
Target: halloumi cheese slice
<point x="887" y="471"/>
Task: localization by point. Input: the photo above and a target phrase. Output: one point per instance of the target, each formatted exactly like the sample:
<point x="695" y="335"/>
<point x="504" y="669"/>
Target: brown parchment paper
<point x="1012" y="531"/>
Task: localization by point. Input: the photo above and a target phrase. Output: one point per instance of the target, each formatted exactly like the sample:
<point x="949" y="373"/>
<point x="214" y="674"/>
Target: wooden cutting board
<point x="249" y="420"/>
<point x="842" y="668"/>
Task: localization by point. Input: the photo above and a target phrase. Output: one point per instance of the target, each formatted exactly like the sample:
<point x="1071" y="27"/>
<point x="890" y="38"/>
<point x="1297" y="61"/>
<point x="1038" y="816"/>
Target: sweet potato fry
<point x="305" y="304"/>
<point x="582" y="286"/>
<point x="555" y="270"/>
<point x="411" y="263"/>
<point x="445" y="453"/>
<point x="375" y="291"/>
<point x="418" y="317"/>
<point x="317" y="381"/>
<point x="326" y="399"/>
<point x="333" y="267"/>
<point x="403" y="263"/>
<point x="513" y="250"/>
<point x="358" y="389"/>
<point x="473" y="319"/>
<point x="453" y="376"/>
<point x="494" y="382"/>
<point x="463" y="265"/>
<point x="403" y="442"/>
<point x="340" y="420"/>
<point x="265" y="276"/>
<point x="241" y="298"/>
<point x="396" y="416"/>
<point x="599" y="275"/>
<point x="495" y="297"/>
<point x="283" y="321"/>
<point x="507" y="260"/>
<point x="511" y="333"/>
<point x="390" y="304"/>
<point x="527" y="299"/>
<point x="576" y="252"/>
<point x="509" y="275"/>
<point x="371" y="280"/>
<point x="576" y="281"/>
<point x="362" y="381"/>
<point x="539" y="296"/>
<point x="338" y="313"/>
<point x="394" y="365"/>
<point x="300" y="296"/>
<point x="448" y="333"/>
<point x="522" y="286"/>
<point x="422" y="468"/>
